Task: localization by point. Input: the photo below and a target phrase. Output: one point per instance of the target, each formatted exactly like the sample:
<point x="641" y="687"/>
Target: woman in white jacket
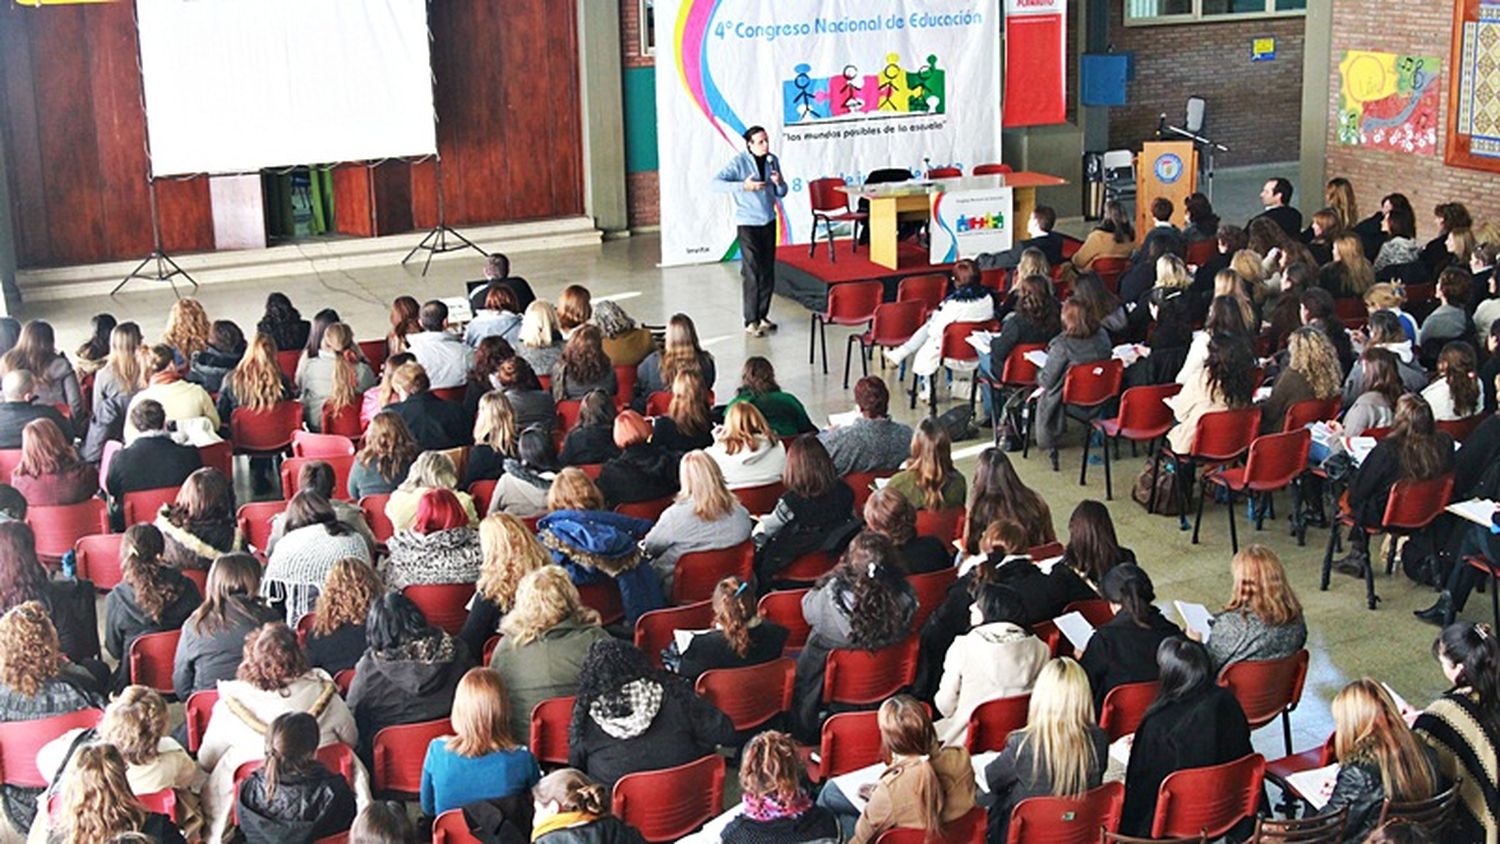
<point x="970" y="301"/>
<point x="273" y="679"/>
<point x="998" y="658"/>
<point x="745" y="448"/>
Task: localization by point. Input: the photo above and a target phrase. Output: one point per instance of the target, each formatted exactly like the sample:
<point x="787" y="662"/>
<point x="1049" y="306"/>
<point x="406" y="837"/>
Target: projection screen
<point x="233" y="86"/>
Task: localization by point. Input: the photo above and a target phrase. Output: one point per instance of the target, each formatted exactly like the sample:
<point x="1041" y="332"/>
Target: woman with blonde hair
<point x="337" y="638"/>
<point x="333" y="379"/>
<point x="929" y="481"/>
<point x="1339" y="194"/>
<point x="1312" y="372"/>
<point x="583" y="367"/>
<point x="1391" y="296"/>
<point x="187" y="330"/>
<point x="376" y="398"/>
<point x="705" y="517"/>
<point x="431" y="470"/>
<point x="1350" y="273"/>
<point x="50" y="472"/>
<point x="404" y="312"/>
<point x="574" y="308"/>
<point x="746" y="449"/>
<point x="97" y="802"/>
<point x="1263" y="619"/>
<point x="510" y="552"/>
<point x="687" y="424"/>
<point x="482" y="760"/>
<point x="120" y="378"/>
<point x="1250" y="266"/>
<point x="541" y="340"/>
<point x="495" y="439"/>
<point x="1238" y="287"/>
<point x="256" y="384"/>
<point x="1033" y="262"/>
<point x="1379" y="757"/>
<point x="774" y="804"/>
<point x="547" y="633"/>
<point x="56" y="382"/>
<point x="1061" y="752"/>
<point x="574" y="490"/>
<point x="595" y="544"/>
<point x="573" y="809"/>
<point x="385" y="458"/>
<point x="681" y="352"/>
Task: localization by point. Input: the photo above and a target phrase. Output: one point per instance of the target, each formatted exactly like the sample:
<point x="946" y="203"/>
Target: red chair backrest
<point x="956" y="340"/>
<point x="853" y="302"/>
<point x="20" y="741"/>
<point x="862" y="483"/>
<point x="197" y="712"/>
<point x="549" y="730"/>
<point x="1095" y="611"/>
<point x="1018" y="371"/>
<point x="658" y="402"/>
<point x="668" y="804"/>
<point x="199" y="578"/>
<point x="648" y="510"/>
<point x="866" y="677"/>
<point x="305" y="626"/>
<point x="808" y="567"/>
<point x="1224" y="435"/>
<point x="1266" y="688"/>
<point x="1124" y="707"/>
<point x="1377" y="433"/>
<point x="928" y="289"/>
<point x="58" y="528"/>
<point x="966" y="829"/>
<point x="288" y="361"/>
<point x="451" y="828"/>
<point x="604" y="598"/>
<point x="453" y="394"/>
<point x="1412" y="504"/>
<point x="1092" y="384"/>
<point x="255" y="522"/>
<point x="309" y="444"/>
<point x="995" y="278"/>
<point x="993" y="721"/>
<point x="373" y="506"/>
<point x="490" y="645"/>
<point x="1209" y="800"/>
<point x="896" y="322"/>
<point x="625" y="377"/>
<point x="446" y="605"/>
<point x="1351" y="311"/>
<point x="336" y="757"/>
<point x="567" y="414"/>
<point x="291" y="467"/>
<point x="399" y="752"/>
<point x="945" y="524"/>
<point x="752" y="695"/>
<point x="930" y="588"/>
<point x="151" y="656"/>
<point x="219" y="456"/>
<point x="265" y="430"/>
<point x="1460" y="429"/>
<point x="143" y="505"/>
<point x="1200" y="252"/>
<point x="342" y="680"/>
<point x="1067" y="820"/>
<point x="10" y="458"/>
<point x="849" y="741"/>
<point x="823" y="195"/>
<point x="1303" y="413"/>
<point x="653" y="630"/>
<point x="698" y="572"/>
<point x="482" y="492"/>
<point x="759" y="500"/>
<point x="1046" y="552"/>
<point x="1143" y="413"/>
<point x="784" y="607"/>
<point x="991" y="170"/>
<point x="1275" y="460"/>
<point x="98" y="559"/>
<point x="375" y="352"/>
<point x="344" y="421"/>
<point x="1109" y="271"/>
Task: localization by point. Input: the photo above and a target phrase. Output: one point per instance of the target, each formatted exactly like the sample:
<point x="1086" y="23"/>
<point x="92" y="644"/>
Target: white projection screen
<point x="233" y="86"/>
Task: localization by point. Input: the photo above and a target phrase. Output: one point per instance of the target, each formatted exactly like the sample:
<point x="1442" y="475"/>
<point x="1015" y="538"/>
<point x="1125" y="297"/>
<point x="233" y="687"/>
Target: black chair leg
<point x="832" y="254"/>
<point x="1333" y="538"/>
<point x="1371" y="599"/>
<point x="1198" y="519"/>
<point x="823" y="340"/>
<point x="848" y="353"/>
<point x="812" y="340"/>
<point x="1083" y="470"/>
<point x="1286" y="730"/>
<point x="1234" y="539"/>
<point x="812" y="246"/>
<point x="1109" y="489"/>
<point x="1151" y="498"/>
<point x="973" y="391"/>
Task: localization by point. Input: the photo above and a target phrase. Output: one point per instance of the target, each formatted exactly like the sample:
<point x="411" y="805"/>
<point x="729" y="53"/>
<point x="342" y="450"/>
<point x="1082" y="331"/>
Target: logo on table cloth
<point x="892" y="90"/>
<point x="1168" y="168"/>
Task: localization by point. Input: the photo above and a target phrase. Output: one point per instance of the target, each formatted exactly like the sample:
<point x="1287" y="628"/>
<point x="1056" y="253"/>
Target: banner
<point x="966" y="223"/>
<point x="1035" y="62"/>
<point x="843" y="87"/>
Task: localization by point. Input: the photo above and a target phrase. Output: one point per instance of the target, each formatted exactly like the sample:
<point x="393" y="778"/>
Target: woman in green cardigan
<point x="758" y="386"/>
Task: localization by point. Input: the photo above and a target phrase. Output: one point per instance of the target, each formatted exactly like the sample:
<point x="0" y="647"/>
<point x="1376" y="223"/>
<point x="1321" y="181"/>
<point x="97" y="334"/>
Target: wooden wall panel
<point x="22" y="146"/>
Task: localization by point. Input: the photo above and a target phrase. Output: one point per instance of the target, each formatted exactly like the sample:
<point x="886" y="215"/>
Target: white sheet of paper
<point x="1262" y="393"/>
<point x="1196" y="617"/>
<point x="1128" y="353"/>
<point x="1401" y="705"/>
<point x="1047" y="564"/>
<point x="1077" y="628"/>
<point x="881" y="482"/>
<point x="851" y="782"/>
<point x="1359" y="448"/>
<point x="683" y="638"/>
<point x="1315" y="786"/>
<point x="980" y="761"/>
<point x="839" y="420"/>
<point x="1036" y="357"/>
<point x="1480" y="511"/>
<point x="1119" y="749"/>
<point x="980" y="340"/>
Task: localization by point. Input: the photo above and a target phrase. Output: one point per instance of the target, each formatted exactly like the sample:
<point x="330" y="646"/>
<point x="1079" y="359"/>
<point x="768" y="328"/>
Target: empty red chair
<point x="97" y="558"/>
<point x="993" y="721"/>
<point x="549" y="730"/>
<point x="567" y="414"/>
<point x="58" y="528"/>
<point x="399" y="751"/>
<point x="930" y="588"/>
<point x="1209" y="801"/>
<point x="344" y="421"/>
<point x="197" y="712"/>
<point x="446" y="605"/>
<point x="668" y="804"/>
<point x="20" y="741"/>
<point x="759" y="500"/>
<point x="648" y="510"/>
<point x="653" y="630"/>
<point x="830" y="204"/>
<point x="151" y="656"/>
<point x="1109" y="271"/>
<point x="1273" y="463"/>
<point x="848" y="741"/>
<point x="944" y="173"/>
<point x="894" y="323"/>
<point x="325" y="445"/>
<point x="1143" y="418"/>
<point x="265" y="431"/>
<point x="1267" y="688"/>
<point x="1409" y="508"/>
<point x="850" y="303"/>
<point x="863" y="484"/>
<point x="1067" y="820"/>
<point x="451" y="828"/>
<point x="1124" y="707"/>
<point x="698" y="572"/>
<point x="1303" y="413"/>
<point x="373" y="506"/>
<point x="807" y="568"/>
<point x="255" y="522"/>
<point x="143" y="505"/>
<point x="604" y="598"/>
<point x="928" y="289"/>
<point x="288" y="361"/>
<point x="291" y="467"/>
<point x="946" y="524"/>
<point x="784" y="607"/>
<point x="991" y="170"/>
<point x="219" y="456"/>
<point x="750" y="696"/>
<point x="863" y="678"/>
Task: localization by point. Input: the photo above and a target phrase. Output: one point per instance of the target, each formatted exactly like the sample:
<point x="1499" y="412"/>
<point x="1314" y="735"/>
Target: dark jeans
<point x="757" y="269"/>
<point x="1477" y="542"/>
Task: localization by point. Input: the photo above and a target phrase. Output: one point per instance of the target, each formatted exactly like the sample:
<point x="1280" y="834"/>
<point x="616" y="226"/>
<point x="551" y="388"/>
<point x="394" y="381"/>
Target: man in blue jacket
<point x="753" y="178"/>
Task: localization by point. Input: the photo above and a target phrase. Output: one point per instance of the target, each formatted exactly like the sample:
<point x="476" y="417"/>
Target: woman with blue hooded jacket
<point x="595" y="544"/>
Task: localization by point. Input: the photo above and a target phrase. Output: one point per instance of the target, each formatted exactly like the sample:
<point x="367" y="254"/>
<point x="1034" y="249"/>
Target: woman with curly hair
<point x="484" y="375"/>
<point x="50" y="472"/>
<point x="547" y="633"/>
<point x="187" y="330"/>
<point x="152" y="596"/>
<point x="201" y="524"/>
<point x="929" y="481"/>
<point x="283" y="323"/>
<point x="404" y="311"/>
<point x="782" y="409"/>
<point x="495" y="435"/>
<point x="22" y="579"/>
<point x="439" y="545"/>
<point x="273" y="678"/>
<point x="35" y="682"/>
<point x="56" y="382"/>
<point x="1224" y="383"/>
<point x="775" y="805"/>
<point x="315" y="539"/>
<point x="583" y="367"/>
<point x="334" y="377"/>
<point x="1000" y="494"/>
<point x="510" y="552"/>
<point x="115" y="383"/>
<point x="541" y="339"/>
<point x="385" y="458"/>
<point x="337" y="638"/>
<point x="97" y="803"/>
<point x="1312" y="372"/>
<point x="630" y="716"/>
<point x="592" y="440"/>
<point x="1453" y="394"/>
<point x="888" y="513"/>
<point x="626" y="342"/>
<point x="213" y="637"/>
<point x="740" y="637"/>
<point x="681" y="352"/>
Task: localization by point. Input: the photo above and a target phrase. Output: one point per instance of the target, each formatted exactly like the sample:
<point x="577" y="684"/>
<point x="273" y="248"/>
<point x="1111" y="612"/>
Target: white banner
<point x="842" y="86"/>
<point x="233" y="86"/>
<point x="966" y="223"/>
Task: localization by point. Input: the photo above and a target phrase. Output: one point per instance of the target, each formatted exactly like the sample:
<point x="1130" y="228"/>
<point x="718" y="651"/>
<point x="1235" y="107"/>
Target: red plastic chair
<point x="20" y="741"/>
<point x="345" y="421"/>
<point x="482" y="492"/>
<point x="59" y="528"/>
<point x="219" y="456"/>
<point x="1273" y="463"/>
<point x="930" y="588"/>
<point x="97" y="558"/>
<point x="265" y="431"/>
<point x="446" y="605"/>
<point x="291" y="467"/>
<point x="1095" y="611"/>
<point x="653" y="630"/>
<point x="163" y="802"/>
<point x="996" y="279"/>
<point x="1222" y="436"/>
<point x="255" y="522"/>
<point x="894" y="323"/>
<point x="1267" y="688"/>
<point x="945" y="173"/>
<point x="374" y="352"/>
<point x="325" y="445"/>
<point x="490" y="645"/>
<point x="784" y="607"/>
<point x="863" y="678"/>
<point x="399" y="751"/>
<point x="831" y="205"/>
<point x="863" y="484"/>
<point x="807" y="568"/>
<point x="1109" y="271"/>
<point x="1067" y="820"/>
<point x="668" y="804"/>
<point x="955" y="352"/>
<point x="549" y="730"/>
<point x="1460" y="429"/>
<point x="143" y="505"/>
<point x="1278" y="770"/>
<point x="336" y="757"/>
<point x="567" y="414"/>
<point x="1046" y="552"/>
<point x="10" y="458"/>
<point x="848" y="741"/>
<point x="648" y="510"/>
<point x="373" y="506"/>
<point x="288" y="361"/>
<point x="625" y="377"/>
<point x="604" y="598"/>
<point x="342" y="680"/>
<point x="1143" y="417"/>
<point x="750" y="696"/>
<point x="1409" y="508"/>
<point x="1200" y="252"/>
<point x="1351" y="312"/>
<point x="1124" y="707"/>
<point x="452" y="394"/>
<point x="1303" y="413"/>
<point x="197" y="713"/>
<point x="698" y="572"/>
<point x="1209" y="801"/>
<point x="451" y="828"/>
<point x="762" y="499"/>
<point x="947" y="524"/>
<point x="199" y="577"/>
<point x="1088" y="387"/>
<point x="305" y="625"/>
<point x="851" y="303"/>
<point x="658" y="402"/>
<point x="991" y="170"/>
<point x="1017" y="373"/>
<point x="151" y="656"/>
<point x="993" y="721"/>
<point x="929" y="289"/>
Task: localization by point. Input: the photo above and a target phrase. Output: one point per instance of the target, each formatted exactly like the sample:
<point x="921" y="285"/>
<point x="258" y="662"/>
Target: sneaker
<point x="894" y="356"/>
<point x="767" y="325"/>
<point x="754" y="329"/>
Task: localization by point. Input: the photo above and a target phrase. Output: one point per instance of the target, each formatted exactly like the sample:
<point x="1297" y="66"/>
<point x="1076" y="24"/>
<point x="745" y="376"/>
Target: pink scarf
<point x="768" y="807"/>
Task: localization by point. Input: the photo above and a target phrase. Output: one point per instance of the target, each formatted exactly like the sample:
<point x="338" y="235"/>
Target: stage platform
<point x="805" y="278"/>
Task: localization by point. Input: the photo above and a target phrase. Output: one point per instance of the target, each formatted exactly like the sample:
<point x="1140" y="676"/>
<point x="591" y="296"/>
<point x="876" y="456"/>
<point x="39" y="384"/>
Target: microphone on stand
<point x="1161" y="125"/>
<point x="927" y="165"/>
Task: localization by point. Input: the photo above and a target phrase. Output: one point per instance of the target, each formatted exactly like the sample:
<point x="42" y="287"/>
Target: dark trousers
<point x="757" y="269"/>
<point x="1476" y="541"/>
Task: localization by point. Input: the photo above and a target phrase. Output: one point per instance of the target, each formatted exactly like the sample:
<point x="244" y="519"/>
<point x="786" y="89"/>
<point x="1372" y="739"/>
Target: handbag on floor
<point x="1164" y="493"/>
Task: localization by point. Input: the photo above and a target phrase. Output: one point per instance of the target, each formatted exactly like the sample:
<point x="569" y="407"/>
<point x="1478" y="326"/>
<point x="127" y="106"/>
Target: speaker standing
<point x="753" y="178"/>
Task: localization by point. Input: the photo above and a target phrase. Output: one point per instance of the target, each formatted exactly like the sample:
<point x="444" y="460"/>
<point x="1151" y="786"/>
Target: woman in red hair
<point x="441" y="546"/>
<point x="50" y="472"/>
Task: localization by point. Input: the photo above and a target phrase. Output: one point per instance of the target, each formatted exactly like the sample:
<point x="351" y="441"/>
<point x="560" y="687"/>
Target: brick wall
<point x="1417" y="27"/>
<point x="1254" y="108"/>
<point x="642" y="197"/>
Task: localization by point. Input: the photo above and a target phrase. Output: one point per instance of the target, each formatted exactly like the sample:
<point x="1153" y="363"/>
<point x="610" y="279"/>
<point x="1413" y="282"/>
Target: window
<point x="648" y="27"/>
<point x="1149" y="12"/>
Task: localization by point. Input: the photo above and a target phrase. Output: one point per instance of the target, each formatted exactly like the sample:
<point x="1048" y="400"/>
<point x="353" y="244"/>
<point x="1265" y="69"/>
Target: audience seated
<point x="1124" y="649"/>
<point x="431" y="470"/>
<point x="998" y="657"/>
<point x="522" y="489"/>
<point x="1225" y="383"/>
<point x="50" y="472"/>
<point x="970" y="301"/>
<point x="334" y="377"/>
<point x="213" y="637"/>
<point x="152" y="461"/>
<point x="495" y="436"/>
<point x="1380" y="388"/>
<point x="484" y="376"/>
<point x="439" y="545"/>
<point x="873" y="442"/>
<point x="775" y="805"/>
<point x="377" y="398"/>
<point x="385" y="458"/>
<point x="592" y="440"/>
<point x="643" y="470"/>
<point x="1033" y="319"/>
<point x="758" y="386"/>
<point x="1319" y="311"/>
<point x="497" y="275"/>
<point x="571" y="809"/>
<point x="97" y="803"/>
<point x="1349" y="275"/>
<point x="1276" y="196"/>
<point x="404" y="324"/>
<point x="686" y="425"/>
<point x="1379" y="758"/>
<point x="435" y="424"/>
<point x="596" y="545"/>
<point x="1312" y="373"/>
<point x="283" y="323"/>
<point x="929" y="481"/>
<point x="201" y="524"/>
<point x="20" y="406"/>
<point x="117" y="381"/>
<point x="187" y="330"/>
<point x="1263" y="619"/>
<point x="1450" y="321"/>
<point x="482" y="761"/>
<point x="739" y="637"/>
<point x="547" y="635"/>
<point x="315" y="539"/>
<point x="1462" y="727"/>
<point x="1453" y="222"/>
<point x="1082" y="341"/>
<point x="443" y="356"/>
<point x="69" y="604"/>
<point x="999" y="494"/>
<point x="532" y="404"/>
<point x="575" y="307"/>
<point x="681" y="352"/>
<point x="815" y="513"/>
<point x="151" y="597"/>
<point x="1401" y="245"/>
<point x="226" y="347"/>
<point x="704" y="517"/>
<point x="1386" y="296"/>
<point x="887" y="512"/>
<point x="583" y="367"/>
<point x="1113" y="237"/>
<point x="1160" y="210"/>
<point x="293" y="796"/>
<point x="1454" y="391"/>
<point x="509" y="552"/>
<point x="746" y="450"/>
<point x="498" y="316"/>
<point x="318" y="476"/>
<point x="1145" y="275"/>
<point x="56" y="382"/>
<point x="1039" y="236"/>
<point x="179" y="399"/>
<point x="92" y="354"/>
<point x="626" y="343"/>
<point x="541" y="337"/>
<point x="1093" y="548"/>
<point x="337" y="638"/>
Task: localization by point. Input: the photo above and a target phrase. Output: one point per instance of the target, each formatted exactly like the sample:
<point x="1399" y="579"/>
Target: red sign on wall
<point x="1035" y="62"/>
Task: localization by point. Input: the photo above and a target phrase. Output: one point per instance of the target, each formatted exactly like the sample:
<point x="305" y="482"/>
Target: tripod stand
<point x="436" y="240"/>
<point x="165" y="266"/>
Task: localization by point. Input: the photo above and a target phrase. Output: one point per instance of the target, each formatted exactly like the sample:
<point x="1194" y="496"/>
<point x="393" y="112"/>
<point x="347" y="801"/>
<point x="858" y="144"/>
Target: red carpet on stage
<point x="805" y="278"/>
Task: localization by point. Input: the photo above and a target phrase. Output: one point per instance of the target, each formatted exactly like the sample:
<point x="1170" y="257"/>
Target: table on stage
<point x="892" y="202"/>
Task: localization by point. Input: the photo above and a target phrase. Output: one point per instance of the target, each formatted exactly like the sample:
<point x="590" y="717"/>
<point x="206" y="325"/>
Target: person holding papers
<point x="929" y="481"/>
<point x="739" y="637"/>
<point x="1263" y="619"/>
<point x="970" y="301"/>
<point x="997" y="658"/>
<point x="1379" y="758"/>
<point x="1312" y="372"/>
<point x="1463" y="725"/>
<point x="1081" y="341"/>
<point x="704" y="517"/>
<point x="1124" y="649"/>
<point x="1225" y="382"/>
<point x="774" y="805"/>
<point x="1476" y="475"/>
<point x="1033" y="320"/>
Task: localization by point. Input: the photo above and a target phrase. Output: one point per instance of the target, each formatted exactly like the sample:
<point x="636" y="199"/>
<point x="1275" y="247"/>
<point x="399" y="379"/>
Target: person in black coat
<point x="152" y="461"/>
<point x="435" y="424"/>
<point x="19" y="407"/>
<point x="213" y="637"/>
<point x="887" y="512"/>
<point x="69" y="603"/>
<point x="1033" y="320"/>
<point x="1042" y="237"/>
<point x="1375" y="748"/>
<point x="150" y="598"/>
<point x="642" y="471"/>
<point x="739" y="637"/>
<point x="497" y="274"/>
<point x="1193" y="723"/>
<point x="1276" y="196"/>
<point x="630" y="717"/>
<point x="292" y="798"/>
<point x="592" y="440"/>
<point x="283" y="323"/>
<point x="1124" y="649"/>
<point x="337" y="640"/>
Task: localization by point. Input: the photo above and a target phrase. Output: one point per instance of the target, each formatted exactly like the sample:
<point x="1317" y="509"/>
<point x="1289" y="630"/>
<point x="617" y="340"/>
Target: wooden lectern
<point x="1168" y="169"/>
